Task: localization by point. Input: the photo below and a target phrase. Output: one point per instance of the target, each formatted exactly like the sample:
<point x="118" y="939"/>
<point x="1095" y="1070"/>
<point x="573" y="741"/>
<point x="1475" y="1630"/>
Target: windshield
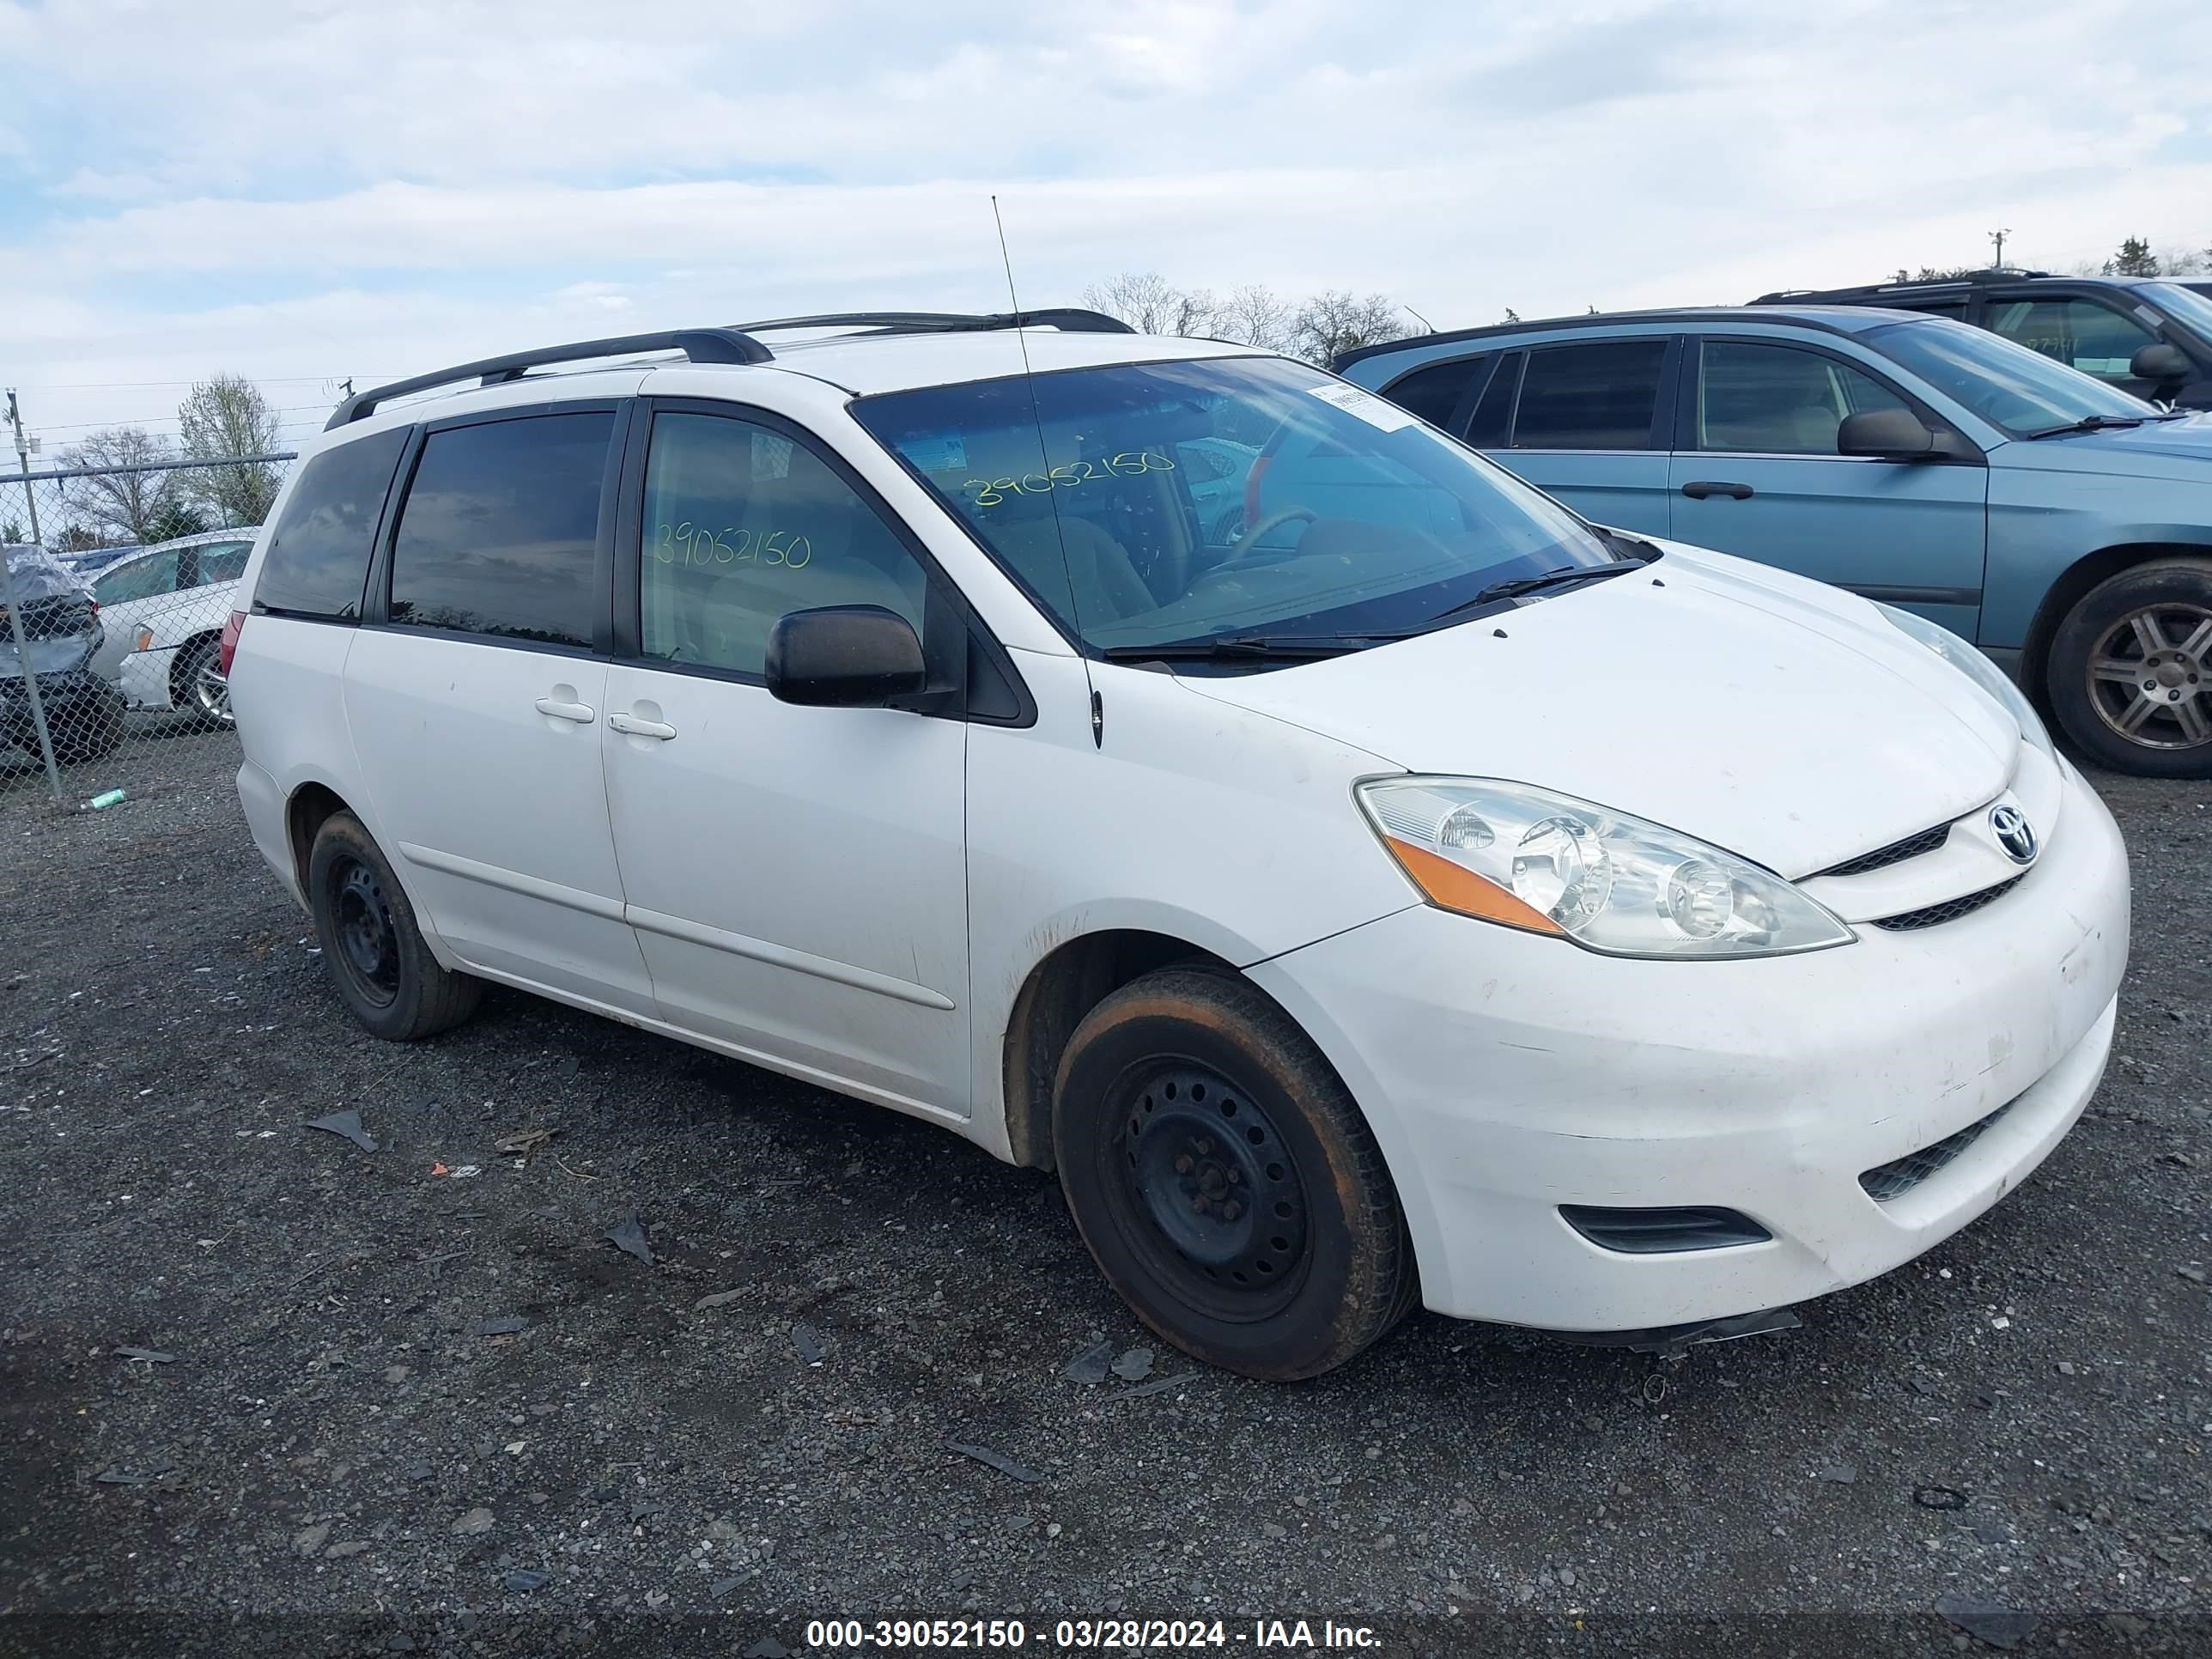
<point x="1181" y="501"/>
<point x="2006" y="385"/>
<point x="2184" y="304"/>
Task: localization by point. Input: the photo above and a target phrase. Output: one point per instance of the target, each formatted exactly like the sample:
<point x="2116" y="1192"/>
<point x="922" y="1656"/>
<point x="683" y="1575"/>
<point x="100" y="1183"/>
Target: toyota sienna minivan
<point x="1416" y="894"/>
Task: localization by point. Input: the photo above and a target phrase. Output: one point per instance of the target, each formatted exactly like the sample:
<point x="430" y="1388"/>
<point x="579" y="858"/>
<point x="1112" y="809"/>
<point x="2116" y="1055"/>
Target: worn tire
<point x="1146" y="1078"/>
<point x="384" y="971"/>
<point x="2177" y="593"/>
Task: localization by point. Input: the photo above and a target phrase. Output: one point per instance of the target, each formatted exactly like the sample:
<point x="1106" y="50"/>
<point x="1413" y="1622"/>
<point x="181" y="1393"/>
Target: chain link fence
<point x="118" y="582"/>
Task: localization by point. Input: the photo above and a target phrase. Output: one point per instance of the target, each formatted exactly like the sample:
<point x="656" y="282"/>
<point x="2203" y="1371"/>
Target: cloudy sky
<point x="300" y="192"/>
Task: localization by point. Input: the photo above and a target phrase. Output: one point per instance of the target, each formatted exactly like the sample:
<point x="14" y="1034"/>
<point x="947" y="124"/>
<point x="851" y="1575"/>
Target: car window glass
<point x="225" y="562"/>
<point x="318" y="559"/>
<point x="1778" y="400"/>
<point x="744" y="526"/>
<point x="141" y="579"/>
<point x="1492" y="422"/>
<point x="1434" y="392"/>
<point x="499" y="532"/>
<point x="1600" y="396"/>
<point x="2001" y="381"/>
<point x="2079" y="333"/>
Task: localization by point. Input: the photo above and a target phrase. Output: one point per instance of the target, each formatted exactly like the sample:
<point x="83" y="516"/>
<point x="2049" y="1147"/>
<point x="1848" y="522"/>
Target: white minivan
<point x="1409" y="893"/>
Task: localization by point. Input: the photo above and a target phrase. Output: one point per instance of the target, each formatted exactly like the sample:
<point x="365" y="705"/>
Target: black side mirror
<point x="1887" y="434"/>
<point x="2160" y="363"/>
<point x="844" y="656"/>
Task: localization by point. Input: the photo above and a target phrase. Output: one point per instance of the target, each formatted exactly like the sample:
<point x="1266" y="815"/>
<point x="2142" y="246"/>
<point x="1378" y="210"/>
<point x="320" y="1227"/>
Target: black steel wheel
<point x="1225" y="1180"/>
<point x="384" y="971"/>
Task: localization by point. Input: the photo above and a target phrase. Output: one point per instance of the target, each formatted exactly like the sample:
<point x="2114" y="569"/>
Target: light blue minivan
<point x="2060" y="524"/>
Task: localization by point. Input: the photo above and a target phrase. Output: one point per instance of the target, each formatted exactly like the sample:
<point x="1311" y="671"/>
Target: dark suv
<point x="2145" y="335"/>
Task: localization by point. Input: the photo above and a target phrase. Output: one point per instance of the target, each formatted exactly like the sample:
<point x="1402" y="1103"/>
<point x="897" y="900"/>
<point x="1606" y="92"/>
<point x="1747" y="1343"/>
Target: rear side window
<point x="1434" y="392"/>
<point x="318" y="560"/>
<point x="1492" y="424"/>
<point x="1600" y="396"/>
<point x="500" y="531"/>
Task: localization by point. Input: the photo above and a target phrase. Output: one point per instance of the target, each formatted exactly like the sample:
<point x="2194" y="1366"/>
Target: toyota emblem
<point x="2014" y="833"/>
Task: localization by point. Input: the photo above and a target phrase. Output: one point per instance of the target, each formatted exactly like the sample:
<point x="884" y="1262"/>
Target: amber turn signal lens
<point x="1457" y="888"/>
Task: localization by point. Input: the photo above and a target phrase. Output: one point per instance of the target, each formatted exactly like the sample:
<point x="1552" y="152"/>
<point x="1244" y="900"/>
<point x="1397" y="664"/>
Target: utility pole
<point x="15" y="616"/>
<point x="23" y="462"/>
<point x="1998" y="236"/>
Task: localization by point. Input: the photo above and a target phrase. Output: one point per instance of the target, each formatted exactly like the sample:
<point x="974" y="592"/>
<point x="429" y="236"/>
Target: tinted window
<point x="500" y="531"/>
<point x="2017" y="389"/>
<point x="1590" y="396"/>
<point x="318" y="559"/>
<point x="743" y="526"/>
<point x="1778" y="400"/>
<point x="1434" y="392"/>
<point x="140" y="579"/>
<point x="2079" y="333"/>
<point x="1491" y="423"/>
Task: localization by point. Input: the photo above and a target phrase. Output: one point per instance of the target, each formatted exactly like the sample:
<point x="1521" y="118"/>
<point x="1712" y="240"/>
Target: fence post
<point x="30" y="674"/>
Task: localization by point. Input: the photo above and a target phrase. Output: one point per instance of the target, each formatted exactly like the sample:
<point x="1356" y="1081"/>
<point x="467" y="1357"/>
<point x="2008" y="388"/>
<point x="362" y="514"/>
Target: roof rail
<point x="701" y="345"/>
<point x="1994" y="273"/>
<point x="1067" y="319"/>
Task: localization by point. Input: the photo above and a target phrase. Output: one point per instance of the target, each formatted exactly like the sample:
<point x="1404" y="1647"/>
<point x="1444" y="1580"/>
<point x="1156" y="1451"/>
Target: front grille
<point x="1949" y="910"/>
<point x="1896" y="852"/>
<point x="1650" y="1232"/>
<point x="1901" y="1175"/>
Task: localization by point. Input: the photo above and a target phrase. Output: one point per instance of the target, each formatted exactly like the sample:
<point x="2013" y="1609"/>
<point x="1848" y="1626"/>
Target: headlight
<point x="1550" y="864"/>
<point x="1976" y="667"/>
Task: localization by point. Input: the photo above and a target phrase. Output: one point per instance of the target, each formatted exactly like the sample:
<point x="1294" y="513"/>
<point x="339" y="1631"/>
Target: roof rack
<point x="701" y="345"/>
<point x="1067" y="319"/>
<point x="1802" y="295"/>
<point x="725" y="345"/>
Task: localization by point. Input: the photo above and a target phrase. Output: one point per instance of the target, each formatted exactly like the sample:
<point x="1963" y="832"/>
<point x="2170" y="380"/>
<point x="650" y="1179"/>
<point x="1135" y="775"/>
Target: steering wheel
<point x="1249" y="541"/>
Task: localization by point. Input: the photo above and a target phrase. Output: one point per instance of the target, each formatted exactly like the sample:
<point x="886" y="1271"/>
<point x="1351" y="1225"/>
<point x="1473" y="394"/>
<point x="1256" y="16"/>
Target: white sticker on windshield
<point x="936" y="452"/>
<point x="1384" y="416"/>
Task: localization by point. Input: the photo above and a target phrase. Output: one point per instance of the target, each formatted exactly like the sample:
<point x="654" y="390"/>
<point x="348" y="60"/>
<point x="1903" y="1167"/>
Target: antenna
<point x="1044" y="456"/>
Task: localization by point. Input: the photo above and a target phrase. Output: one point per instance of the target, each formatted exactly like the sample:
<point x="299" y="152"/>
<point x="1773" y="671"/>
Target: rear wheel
<point x="86" y="729"/>
<point x="198" y="685"/>
<point x="384" y="971"/>
<point x="1224" y="1179"/>
<point x="2130" y="669"/>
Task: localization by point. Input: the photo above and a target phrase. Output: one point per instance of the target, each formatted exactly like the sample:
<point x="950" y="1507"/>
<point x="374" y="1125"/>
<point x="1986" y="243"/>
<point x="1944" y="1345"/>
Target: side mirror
<point x="1886" y="435"/>
<point x="2160" y="363"/>
<point x="844" y="656"/>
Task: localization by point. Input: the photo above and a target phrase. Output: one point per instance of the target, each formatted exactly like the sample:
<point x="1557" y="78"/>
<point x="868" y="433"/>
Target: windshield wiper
<point x="2091" y="423"/>
<point x="1565" y="576"/>
<point x="1254" y="647"/>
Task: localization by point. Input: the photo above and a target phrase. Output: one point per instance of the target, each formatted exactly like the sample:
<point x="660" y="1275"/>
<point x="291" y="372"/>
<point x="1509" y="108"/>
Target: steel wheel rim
<point x="1210" y="1194"/>
<point x="367" y="942"/>
<point x="2148" y="676"/>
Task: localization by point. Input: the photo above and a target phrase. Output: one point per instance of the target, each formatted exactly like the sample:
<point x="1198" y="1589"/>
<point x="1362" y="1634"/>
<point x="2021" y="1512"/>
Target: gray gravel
<point x="868" y="1372"/>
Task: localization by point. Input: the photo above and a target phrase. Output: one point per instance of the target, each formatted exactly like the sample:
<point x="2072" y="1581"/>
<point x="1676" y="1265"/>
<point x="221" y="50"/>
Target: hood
<point x="1776" y="718"/>
<point x="2158" y="448"/>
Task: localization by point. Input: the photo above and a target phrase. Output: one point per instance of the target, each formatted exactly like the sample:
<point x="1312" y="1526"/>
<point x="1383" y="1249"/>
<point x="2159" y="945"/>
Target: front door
<point x="797" y="877"/>
<point x="1759" y="476"/>
<point x="475" y="691"/>
<point x="1587" y="426"/>
<point x="2095" y="334"/>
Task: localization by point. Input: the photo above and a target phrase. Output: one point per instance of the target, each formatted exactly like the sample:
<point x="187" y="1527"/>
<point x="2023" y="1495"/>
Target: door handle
<point x="637" y="727"/>
<point x="581" y="713"/>
<point x="1735" y="492"/>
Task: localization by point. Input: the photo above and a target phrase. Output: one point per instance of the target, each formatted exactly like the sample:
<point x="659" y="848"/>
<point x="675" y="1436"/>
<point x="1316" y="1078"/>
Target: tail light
<point x="231" y="631"/>
<point x="94" y="604"/>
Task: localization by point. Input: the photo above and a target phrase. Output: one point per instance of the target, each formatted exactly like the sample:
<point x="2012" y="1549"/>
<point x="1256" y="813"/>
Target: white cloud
<point x="348" y="189"/>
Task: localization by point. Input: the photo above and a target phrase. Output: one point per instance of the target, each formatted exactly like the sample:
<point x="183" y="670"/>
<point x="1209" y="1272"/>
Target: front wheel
<point x="2130" y="669"/>
<point x="199" y="688"/>
<point x="1224" y="1179"/>
<point x="385" y="973"/>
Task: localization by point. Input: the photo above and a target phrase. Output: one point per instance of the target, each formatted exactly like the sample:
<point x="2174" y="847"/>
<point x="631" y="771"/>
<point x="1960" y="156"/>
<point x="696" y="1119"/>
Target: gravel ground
<point x="384" y="1407"/>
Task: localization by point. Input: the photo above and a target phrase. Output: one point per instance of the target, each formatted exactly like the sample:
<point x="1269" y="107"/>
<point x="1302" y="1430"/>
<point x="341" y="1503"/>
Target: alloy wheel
<point x="2148" y="676"/>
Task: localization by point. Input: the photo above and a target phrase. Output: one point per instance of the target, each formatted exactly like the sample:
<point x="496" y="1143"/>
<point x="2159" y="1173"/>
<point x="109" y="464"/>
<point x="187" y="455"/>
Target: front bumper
<point x="1507" y="1074"/>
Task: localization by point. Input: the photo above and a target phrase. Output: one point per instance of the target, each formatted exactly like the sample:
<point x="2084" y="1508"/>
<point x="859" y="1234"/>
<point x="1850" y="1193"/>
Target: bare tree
<point x="222" y="417"/>
<point x="1335" y="321"/>
<point x="2184" y="261"/>
<point x="124" y="505"/>
<point x="1151" y="304"/>
<point x="1255" y="315"/>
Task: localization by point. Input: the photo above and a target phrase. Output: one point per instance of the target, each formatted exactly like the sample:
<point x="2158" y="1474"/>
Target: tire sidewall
<point x="2186" y="580"/>
<point x="343" y="836"/>
<point x="1128" y="1035"/>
